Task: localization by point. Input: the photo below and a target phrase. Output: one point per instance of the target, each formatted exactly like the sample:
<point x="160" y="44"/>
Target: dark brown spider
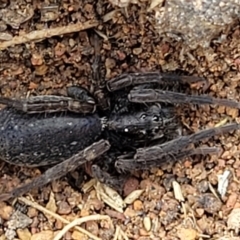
<point x="141" y="128"/>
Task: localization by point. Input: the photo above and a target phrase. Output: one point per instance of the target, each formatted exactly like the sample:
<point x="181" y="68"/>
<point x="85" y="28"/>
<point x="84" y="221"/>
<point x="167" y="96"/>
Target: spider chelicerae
<point x="140" y="129"/>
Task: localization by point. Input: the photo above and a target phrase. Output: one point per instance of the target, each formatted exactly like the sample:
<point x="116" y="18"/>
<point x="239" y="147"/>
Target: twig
<point x="117" y="233"/>
<point x="78" y="222"/>
<point x="120" y="234"/>
<point x="90" y="153"/>
<point x="47" y="33"/>
<point x="56" y="216"/>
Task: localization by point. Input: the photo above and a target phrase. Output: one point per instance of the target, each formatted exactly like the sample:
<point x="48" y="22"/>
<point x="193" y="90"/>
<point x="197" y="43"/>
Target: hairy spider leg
<point x="123" y="165"/>
<point x="140" y="95"/>
<point x="174" y="146"/>
<point x="131" y="79"/>
<point x="79" y="101"/>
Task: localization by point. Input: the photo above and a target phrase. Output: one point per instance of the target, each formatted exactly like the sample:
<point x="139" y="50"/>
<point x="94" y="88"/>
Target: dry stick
<point x="48" y="33"/>
<point x="56" y="216"/>
<point x="90" y="153"/>
<point x="78" y="222"/>
<point x="117" y="233"/>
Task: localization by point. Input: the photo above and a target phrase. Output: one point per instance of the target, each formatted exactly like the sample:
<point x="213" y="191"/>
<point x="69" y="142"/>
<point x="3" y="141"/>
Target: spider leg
<point x="131" y="79"/>
<point x="88" y="154"/>
<point x="140" y="95"/>
<point x="79" y="101"/>
<point x="180" y="143"/>
<point x="128" y="165"/>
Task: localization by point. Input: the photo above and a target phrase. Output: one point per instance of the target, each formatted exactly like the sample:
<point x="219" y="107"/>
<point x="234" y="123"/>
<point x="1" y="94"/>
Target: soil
<point x="46" y="47"/>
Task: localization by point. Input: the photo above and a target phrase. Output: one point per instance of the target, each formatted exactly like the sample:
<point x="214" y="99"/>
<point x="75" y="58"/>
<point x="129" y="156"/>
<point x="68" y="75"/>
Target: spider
<point x="139" y="131"/>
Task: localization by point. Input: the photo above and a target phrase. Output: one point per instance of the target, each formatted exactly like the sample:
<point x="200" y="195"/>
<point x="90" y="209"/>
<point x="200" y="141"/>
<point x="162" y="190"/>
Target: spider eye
<point x="155" y="118"/>
<point x="143" y="116"/>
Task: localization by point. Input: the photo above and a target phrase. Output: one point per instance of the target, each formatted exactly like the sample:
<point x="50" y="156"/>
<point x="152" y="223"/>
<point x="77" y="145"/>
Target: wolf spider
<point x="140" y="128"/>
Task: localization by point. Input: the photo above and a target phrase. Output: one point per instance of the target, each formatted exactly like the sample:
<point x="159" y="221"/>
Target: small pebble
<point x="147" y="223"/>
<point x="130" y="185"/>
<point x="84" y="212"/>
<point x="32" y="212"/>
<point x="137" y="205"/>
<point x="43" y="235"/>
<point x="76" y="235"/>
<point x="137" y="51"/>
<point x="23" y="234"/>
<point x="6" y="212"/>
<point x="143" y="232"/>
<point x="92" y="227"/>
<point x="64" y="208"/>
<point x="58" y="224"/>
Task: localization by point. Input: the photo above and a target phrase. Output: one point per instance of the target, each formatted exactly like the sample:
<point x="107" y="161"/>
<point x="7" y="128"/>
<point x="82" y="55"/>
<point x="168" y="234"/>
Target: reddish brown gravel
<point x="87" y="43"/>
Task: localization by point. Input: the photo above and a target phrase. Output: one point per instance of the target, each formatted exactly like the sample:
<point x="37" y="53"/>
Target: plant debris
<point x="48" y="45"/>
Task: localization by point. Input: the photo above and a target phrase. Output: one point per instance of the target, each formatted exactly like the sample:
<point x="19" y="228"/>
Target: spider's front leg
<point x="171" y="151"/>
<point x="79" y="101"/>
<point x="164" y="79"/>
<point x="143" y="95"/>
<point x="177" y="145"/>
<point x="128" y="165"/>
<point x="146" y="94"/>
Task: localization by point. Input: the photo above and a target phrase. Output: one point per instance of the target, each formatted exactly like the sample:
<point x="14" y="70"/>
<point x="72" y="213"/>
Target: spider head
<point x="150" y="123"/>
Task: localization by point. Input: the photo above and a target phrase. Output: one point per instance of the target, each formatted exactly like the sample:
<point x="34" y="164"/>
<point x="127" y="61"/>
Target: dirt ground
<point x="176" y="202"/>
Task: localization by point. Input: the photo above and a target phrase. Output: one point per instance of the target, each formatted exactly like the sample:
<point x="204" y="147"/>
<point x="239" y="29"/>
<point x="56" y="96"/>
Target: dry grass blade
<point x="133" y="196"/>
<point x="110" y="197"/>
<point x="177" y="191"/>
<point x="47" y="33"/>
<point x="78" y="222"/>
<point x="56" y="216"/>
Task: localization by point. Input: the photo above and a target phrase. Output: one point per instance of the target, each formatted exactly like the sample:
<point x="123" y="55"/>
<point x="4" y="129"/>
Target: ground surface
<point x="126" y="41"/>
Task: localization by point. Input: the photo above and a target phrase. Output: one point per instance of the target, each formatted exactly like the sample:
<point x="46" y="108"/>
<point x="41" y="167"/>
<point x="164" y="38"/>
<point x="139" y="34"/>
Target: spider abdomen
<point x="45" y="139"/>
